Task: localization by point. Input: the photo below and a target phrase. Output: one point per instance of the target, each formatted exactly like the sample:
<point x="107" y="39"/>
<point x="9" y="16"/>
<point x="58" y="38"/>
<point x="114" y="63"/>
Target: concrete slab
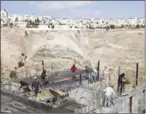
<point x="8" y="106"/>
<point x="106" y="110"/>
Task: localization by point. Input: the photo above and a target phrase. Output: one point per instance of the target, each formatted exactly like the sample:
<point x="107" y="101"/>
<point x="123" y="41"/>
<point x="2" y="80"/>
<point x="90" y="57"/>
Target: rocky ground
<point x="60" y="49"/>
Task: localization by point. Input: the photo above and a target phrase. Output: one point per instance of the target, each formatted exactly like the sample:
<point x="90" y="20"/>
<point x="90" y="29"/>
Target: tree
<point x="137" y="26"/>
<point x="122" y="26"/>
<point x="11" y="25"/>
<point x="53" y="27"/>
<point x="37" y="22"/>
<point x="107" y="28"/>
<point x="29" y="23"/>
<point x="112" y="26"/>
<point x="16" y="20"/>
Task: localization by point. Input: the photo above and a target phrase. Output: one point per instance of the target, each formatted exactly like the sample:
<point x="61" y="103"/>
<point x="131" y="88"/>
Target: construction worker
<point x="108" y="96"/>
<point x="121" y="83"/>
<point x="25" y="87"/>
<point x="43" y="75"/>
<point x="22" y="60"/>
<point x="123" y="80"/>
<point x="89" y="72"/>
<point x="23" y="84"/>
<point x="13" y="73"/>
<point x="73" y="70"/>
<point x="36" y="86"/>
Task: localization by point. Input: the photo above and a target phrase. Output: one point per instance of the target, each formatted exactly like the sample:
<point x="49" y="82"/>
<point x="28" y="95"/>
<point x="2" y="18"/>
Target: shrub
<point x="11" y="25"/>
<point x="112" y="26"/>
<point x="137" y="26"/>
<point x="53" y="26"/>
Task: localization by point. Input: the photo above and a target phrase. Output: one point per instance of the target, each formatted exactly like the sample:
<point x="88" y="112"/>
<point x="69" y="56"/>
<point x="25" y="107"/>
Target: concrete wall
<point x="88" y="97"/>
<point x="91" y="99"/>
<point x="122" y="104"/>
<point x="138" y="102"/>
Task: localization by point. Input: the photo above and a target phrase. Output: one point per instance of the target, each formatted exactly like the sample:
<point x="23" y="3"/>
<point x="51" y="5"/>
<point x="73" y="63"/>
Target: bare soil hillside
<point x="60" y="49"/>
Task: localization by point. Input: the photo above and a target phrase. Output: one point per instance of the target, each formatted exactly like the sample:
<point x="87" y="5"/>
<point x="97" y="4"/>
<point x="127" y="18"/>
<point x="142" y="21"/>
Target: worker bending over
<point x="25" y="87"/>
<point x="108" y="96"/>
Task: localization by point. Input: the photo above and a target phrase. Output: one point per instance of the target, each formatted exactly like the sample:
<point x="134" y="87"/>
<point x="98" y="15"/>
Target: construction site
<point x="108" y="53"/>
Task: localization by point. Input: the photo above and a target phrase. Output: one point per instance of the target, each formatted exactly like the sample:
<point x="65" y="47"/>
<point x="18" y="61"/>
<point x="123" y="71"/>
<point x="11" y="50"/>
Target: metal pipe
<point x="137" y="66"/>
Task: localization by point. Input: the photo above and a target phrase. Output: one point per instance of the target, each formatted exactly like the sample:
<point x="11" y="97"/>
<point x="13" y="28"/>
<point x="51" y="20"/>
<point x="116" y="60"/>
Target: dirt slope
<point x="60" y="49"/>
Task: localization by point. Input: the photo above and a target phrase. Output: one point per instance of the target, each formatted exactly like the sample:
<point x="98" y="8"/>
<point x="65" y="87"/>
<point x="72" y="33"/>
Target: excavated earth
<point x="61" y="48"/>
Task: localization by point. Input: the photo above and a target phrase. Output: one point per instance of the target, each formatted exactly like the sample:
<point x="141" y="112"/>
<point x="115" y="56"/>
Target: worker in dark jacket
<point x="13" y="73"/>
<point x="36" y="86"/>
<point x="121" y="83"/>
<point x="22" y="60"/>
<point x="123" y="80"/>
<point x="43" y="75"/>
<point x="25" y="86"/>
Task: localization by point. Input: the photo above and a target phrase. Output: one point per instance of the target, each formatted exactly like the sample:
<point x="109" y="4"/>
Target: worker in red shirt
<point x="73" y="68"/>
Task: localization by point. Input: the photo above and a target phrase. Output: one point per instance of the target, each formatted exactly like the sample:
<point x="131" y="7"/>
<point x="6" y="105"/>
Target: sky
<point x="77" y="9"/>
